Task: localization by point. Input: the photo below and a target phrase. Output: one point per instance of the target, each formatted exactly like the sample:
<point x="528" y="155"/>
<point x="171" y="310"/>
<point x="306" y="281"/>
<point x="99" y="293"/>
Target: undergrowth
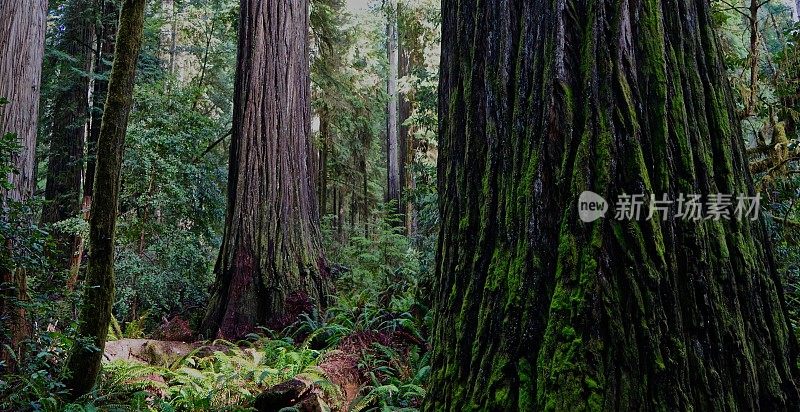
<point x="372" y="339"/>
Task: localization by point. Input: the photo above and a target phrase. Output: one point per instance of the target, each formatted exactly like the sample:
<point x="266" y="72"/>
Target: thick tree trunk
<point x="70" y="116"/>
<point x="83" y="363"/>
<point x="271" y="267"/>
<point x="22" y="32"/>
<point x="394" y="180"/>
<point x="535" y="310"/>
<point x="106" y="31"/>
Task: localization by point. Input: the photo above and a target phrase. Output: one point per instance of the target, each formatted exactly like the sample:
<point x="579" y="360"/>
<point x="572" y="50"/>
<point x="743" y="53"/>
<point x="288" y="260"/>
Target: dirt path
<point x="153" y="352"/>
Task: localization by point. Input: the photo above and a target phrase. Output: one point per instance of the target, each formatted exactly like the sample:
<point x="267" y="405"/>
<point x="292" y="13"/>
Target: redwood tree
<point x="271" y="266"/>
<point x="536" y="310"/>
<point x="22" y="31"/>
<point x="106" y="31"/>
<point x="394" y="182"/>
<point x="70" y="115"/>
<point x="84" y="361"/>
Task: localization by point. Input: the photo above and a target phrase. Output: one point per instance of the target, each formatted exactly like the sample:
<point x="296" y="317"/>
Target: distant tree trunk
<point x="22" y="32"/>
<point x="406" y="139"/>
<point x="366" y="136"/>
<point x="394" y="184"/>
<point x="536" y="310"/>
<point x="70" y="116"/>
<point x="796" y="14"/>
<point x="325" y="137"/>
<point x="753" y="57"/>
<point x="271" y="267"/>
<point x="106" y="31"/>
<point x="169" y="39"/>
<point x="83" y="363"/>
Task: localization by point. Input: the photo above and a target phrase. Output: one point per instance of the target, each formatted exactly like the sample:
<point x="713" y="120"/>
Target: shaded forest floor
<point x="350" y="359"/>
<point x="367" y="351"/>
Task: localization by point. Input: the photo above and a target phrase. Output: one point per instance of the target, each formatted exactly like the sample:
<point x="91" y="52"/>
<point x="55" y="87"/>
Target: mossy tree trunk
<point x="535" y="310"/>
<point x="70" y="116"/>
<point x="271" y="266"/>
<point x="106" y="31"/>
<point x="84" y="362"/>
<point x="22" y="33"/>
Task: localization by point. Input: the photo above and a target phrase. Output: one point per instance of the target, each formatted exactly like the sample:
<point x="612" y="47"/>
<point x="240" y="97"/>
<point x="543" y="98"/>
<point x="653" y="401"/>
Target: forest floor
<point x="367" y="360"/>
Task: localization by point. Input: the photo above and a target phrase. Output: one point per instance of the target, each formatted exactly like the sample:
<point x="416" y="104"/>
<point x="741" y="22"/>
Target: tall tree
<point x="70" y="119"/>
<point x="106" y="31"/>
<point x="540" y="101"/>
<point x="22" y="32"/>
<point x="84" y="361"/>
<point x="393" y="156"/>
<point x="271" y="265"/>
<point x="410" y="52"/>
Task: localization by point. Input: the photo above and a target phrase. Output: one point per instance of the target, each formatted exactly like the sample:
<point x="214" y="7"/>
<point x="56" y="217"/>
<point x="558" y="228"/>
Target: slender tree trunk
<point x="753" y="58"/>
<point x="796" y="11"/>
<point x="324" y="131"/>
<point x="406" y="140"/>
<point x="536" y="310"/>
<point x="83" y="363"/>
<point x="70" y="116"/>
<point x="106" y="31"/>
<point x="271" y="267"/>
<point x="169" y="38"/>
<point x="366" y="139"/>
<point x="335" y="200"/>
<point x="22" y="33"/>
<point x="394" y="184"/>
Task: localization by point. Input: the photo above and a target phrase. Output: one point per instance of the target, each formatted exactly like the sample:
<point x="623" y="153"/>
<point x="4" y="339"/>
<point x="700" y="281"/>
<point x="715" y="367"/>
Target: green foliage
<point x="35" y="386"/>
<point x="172" y="210"/>
<point x="376" y="266"/>
<point x="393" y="384"/>
<point x="227" y="379"/>
<point x="175" y="169"/>
<point x="774" y="125"/>
<point x="8" y="146"/>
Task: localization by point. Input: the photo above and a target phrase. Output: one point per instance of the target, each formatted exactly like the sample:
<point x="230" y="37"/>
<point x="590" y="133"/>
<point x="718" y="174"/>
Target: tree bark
<point x="409" y="58"/>
<point x="22" y="33"/>
<point x="271" y="267"/>
<point x="70" y="116"/>
<point x="753" y="57"/>
<point x="106" y="31"/>
<point x="83" y="363"/>
<point x="394" y="182"/>
<point x="535" y="310"/>
<point x="325" y="137"/>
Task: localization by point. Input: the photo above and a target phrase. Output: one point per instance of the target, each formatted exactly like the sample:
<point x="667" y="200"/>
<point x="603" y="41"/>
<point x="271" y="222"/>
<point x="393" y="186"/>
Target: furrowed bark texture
<point x="536" y="310"/>
<point x="22" y="31"/>
<point x="70" y="116"/>
<point x="84" y="363"/>
<point x="271" y="266"/>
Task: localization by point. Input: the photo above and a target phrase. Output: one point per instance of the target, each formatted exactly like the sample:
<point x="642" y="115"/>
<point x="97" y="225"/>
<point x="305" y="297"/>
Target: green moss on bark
<point x="536" y="310"/>
<point x="84" y="362"/>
